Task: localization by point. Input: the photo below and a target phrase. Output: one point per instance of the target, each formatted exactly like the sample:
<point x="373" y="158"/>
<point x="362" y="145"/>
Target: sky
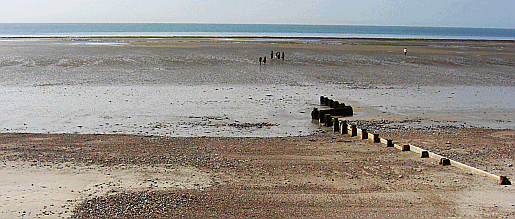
<point x="440" y="13"/>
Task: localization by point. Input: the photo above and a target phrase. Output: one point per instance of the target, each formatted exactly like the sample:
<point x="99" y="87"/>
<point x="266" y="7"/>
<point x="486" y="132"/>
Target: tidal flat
<point x="196" y="127"/>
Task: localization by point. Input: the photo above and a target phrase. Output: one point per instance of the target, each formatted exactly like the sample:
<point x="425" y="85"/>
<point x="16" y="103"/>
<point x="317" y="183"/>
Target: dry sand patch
<point x="30" y="190"/>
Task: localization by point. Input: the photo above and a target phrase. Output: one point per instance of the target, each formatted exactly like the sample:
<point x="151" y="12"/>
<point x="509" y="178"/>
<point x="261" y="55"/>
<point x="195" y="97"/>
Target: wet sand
<point x="208" y="87"/>
<point x="257" y="153"/>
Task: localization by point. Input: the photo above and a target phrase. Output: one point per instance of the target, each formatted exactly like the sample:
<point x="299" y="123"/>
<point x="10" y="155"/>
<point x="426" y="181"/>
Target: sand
<point x="214" y="134"/>
<point x="325" y="175"/>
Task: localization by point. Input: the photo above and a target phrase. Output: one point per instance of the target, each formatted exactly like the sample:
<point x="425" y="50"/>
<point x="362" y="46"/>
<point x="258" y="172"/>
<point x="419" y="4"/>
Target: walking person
<point x="405" y="51"/>
<point x="278" y="55"/>
<point x="264" y="60"/>
<point x="271" y="54"/>
<point x="260" y="60"/>
<point x="282" y="56"/>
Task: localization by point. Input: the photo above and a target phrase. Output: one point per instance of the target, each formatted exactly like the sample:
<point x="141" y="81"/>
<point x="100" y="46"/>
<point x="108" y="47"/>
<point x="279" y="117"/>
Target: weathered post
<point x="328" y="120"/>
<point x="321" y="117"/>
<point x="376" y="138"/>
<point x="354" y="131"/>
<point x="336" y="104"/>
<point x="364" y="134"/>
<point x="343" y="127"/>
<point x="444" y="161"/>
<point x="336" y="125"/>
<point x="314" y="114"/>
<point x="504" y="180"/>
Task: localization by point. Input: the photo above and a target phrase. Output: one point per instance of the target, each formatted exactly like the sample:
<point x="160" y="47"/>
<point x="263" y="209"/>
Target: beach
<point x="196" y="127"/>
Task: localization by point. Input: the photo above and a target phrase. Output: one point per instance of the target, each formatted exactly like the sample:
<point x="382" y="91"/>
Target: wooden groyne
<point x="334" y="112"/>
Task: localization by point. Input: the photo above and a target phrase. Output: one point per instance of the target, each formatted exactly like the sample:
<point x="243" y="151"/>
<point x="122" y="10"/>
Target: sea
<point x="248" y="30"/>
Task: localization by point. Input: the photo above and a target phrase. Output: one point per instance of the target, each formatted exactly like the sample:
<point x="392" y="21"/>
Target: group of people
<point x="278" y="56"/>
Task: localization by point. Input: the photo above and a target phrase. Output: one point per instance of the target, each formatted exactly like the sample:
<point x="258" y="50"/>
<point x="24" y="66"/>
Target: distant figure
<point x="405" y="51"/>
<point x="271" y="54"/>
<point x="278" y="55"/>
<point x="260" y="60"/>
<point x="282" y="56"/>
<point x="264" y="60"/>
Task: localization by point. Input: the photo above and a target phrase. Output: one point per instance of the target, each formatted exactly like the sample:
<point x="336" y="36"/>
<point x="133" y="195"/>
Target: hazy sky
<point x="454" y="13"/>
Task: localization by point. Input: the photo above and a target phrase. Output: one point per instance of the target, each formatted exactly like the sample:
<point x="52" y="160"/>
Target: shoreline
<point x="256" y="111"/>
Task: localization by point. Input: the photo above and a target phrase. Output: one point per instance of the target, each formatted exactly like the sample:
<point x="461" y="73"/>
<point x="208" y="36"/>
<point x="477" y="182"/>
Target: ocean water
<point x="248" y="30"/>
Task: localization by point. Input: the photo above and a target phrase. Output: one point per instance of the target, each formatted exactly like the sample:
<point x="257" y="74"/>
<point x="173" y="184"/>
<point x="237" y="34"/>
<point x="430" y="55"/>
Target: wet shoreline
<point x="207" y="87"/>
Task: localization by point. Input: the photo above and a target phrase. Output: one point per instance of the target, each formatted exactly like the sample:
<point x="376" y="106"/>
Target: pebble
<point x="134" y="204"/>
<point x="143" y="203"/>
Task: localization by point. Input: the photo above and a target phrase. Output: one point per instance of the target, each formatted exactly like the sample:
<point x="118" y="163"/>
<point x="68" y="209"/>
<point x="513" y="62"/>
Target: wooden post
<point x="504" y="180"/>
<point x="321" y="117"/>
<point x="364" y="134"/>
<point x="444" y="161"/>
<point x="314" y="114"/>
<point x="328" y="120"/>
<point x="376" y="138"/>
<point x="343" y="127"/>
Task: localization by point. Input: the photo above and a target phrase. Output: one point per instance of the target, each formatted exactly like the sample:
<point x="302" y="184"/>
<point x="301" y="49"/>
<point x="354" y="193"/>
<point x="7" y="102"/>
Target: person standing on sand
<point x="282" y="56"/>
<point x="260" y="60"/>
<point x="405" y="51"/>
<point x="271" y="54"/>
<point x="264" y="60"/>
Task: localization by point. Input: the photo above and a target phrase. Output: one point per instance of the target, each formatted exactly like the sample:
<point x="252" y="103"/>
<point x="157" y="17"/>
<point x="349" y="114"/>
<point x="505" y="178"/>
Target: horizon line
<point x="300" y="24"/>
